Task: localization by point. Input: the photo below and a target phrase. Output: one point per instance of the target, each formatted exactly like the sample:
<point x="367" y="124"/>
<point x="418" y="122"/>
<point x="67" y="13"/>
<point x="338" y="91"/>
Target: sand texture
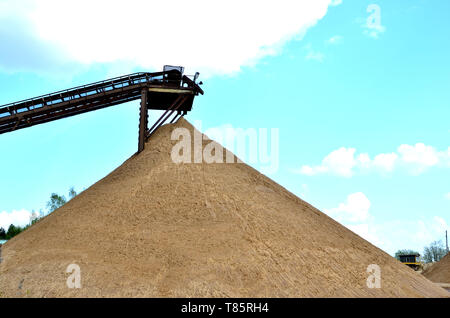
<point x="153" y="228"/>
<point x="440" y="271"/>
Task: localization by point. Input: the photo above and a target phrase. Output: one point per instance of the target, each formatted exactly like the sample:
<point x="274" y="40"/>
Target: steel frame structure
<point x="168" y="90"/>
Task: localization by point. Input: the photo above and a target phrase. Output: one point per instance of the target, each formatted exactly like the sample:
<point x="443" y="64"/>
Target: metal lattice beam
<point x="168" y="90"/>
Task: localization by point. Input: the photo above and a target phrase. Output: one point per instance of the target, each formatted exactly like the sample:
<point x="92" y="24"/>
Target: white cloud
<point x="342" y="162"/>
<point x="374" y="32"/>
<point x="414" y="159"/>
<point x="207" y="36"/>
<point x="385" y="161"/>
<point x="389" y="235"/>
<point x="355" y="209"/>
<point x="419" y="156"/>
<point x="367" y="232"/>
<point x="354" y="214"/>
<point x="419" y="153"/>
<point x="439" y="224"/>
<point x="430" y="230"/>
<point x="336" y="2"/>
<point x="337" y="39"/>
<point x="410" y="234"/>
<point x="447" y="196"/>
<point x="364" y="160"/>
<point x="444" y="157"/>
<point x="312" y="54"/>
<point x="339" y="162"/>
<point x="16" y="217"/>
<point x="307" y="170"/>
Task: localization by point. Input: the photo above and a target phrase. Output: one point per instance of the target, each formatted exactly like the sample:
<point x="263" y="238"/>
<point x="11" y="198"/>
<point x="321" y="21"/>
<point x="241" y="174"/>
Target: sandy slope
<point x="440" y="271"/>
<point x="154" y="228"/>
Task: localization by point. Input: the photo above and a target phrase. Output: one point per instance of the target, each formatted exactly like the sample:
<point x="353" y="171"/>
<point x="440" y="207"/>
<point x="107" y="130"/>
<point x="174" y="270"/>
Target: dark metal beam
<point x="160" y="118"/>
<point x="172" y="110"/>
<point x="157" y="91"/>
<point x="143" y="120"/>
<point x="175" y="117"/>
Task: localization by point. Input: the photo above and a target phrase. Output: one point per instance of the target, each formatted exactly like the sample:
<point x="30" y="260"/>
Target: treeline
<point x="56" y="201"/>
<point x="12" y="231"/>
<point x="432" y="253"/>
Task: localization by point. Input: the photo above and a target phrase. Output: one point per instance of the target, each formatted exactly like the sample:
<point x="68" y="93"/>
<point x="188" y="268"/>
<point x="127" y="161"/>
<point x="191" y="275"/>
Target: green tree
<point x="56" y="201"/>
<point x="72" y="193"/>
<point x="404" y="252"/>
<point x="2" y="234"/>
<point x="34" y="221"/>
<point x="34" y="217"/>
<point x="434" y="252"/>
<point x="13" y="231"/>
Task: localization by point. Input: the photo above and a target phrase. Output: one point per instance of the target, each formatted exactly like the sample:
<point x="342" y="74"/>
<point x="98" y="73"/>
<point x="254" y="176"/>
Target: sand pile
<point x="156" y="228"/>
<point x="440" y="271"/>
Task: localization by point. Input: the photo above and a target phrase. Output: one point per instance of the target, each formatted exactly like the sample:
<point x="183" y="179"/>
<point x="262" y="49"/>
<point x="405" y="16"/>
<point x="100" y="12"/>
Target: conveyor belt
<point x="163" y="89"/>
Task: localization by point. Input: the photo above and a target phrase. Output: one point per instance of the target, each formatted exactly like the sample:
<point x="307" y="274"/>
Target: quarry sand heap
<point x="153" y="228"/>
<point x="440" y="271"/>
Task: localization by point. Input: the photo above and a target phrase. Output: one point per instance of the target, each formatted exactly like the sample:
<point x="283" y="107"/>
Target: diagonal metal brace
<point x="177" y="104"/>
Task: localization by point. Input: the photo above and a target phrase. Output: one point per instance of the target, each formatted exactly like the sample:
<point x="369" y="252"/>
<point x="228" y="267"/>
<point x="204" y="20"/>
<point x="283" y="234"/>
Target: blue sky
<point x="362" y="106"/>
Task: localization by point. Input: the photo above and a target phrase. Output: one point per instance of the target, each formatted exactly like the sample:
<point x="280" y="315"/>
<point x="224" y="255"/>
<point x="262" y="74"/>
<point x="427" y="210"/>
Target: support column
<point x="143" y="119"/>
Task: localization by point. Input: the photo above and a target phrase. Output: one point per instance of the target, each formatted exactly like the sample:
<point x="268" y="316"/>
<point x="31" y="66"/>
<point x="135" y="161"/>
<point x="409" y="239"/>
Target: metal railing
<point x="74" y="93"/>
